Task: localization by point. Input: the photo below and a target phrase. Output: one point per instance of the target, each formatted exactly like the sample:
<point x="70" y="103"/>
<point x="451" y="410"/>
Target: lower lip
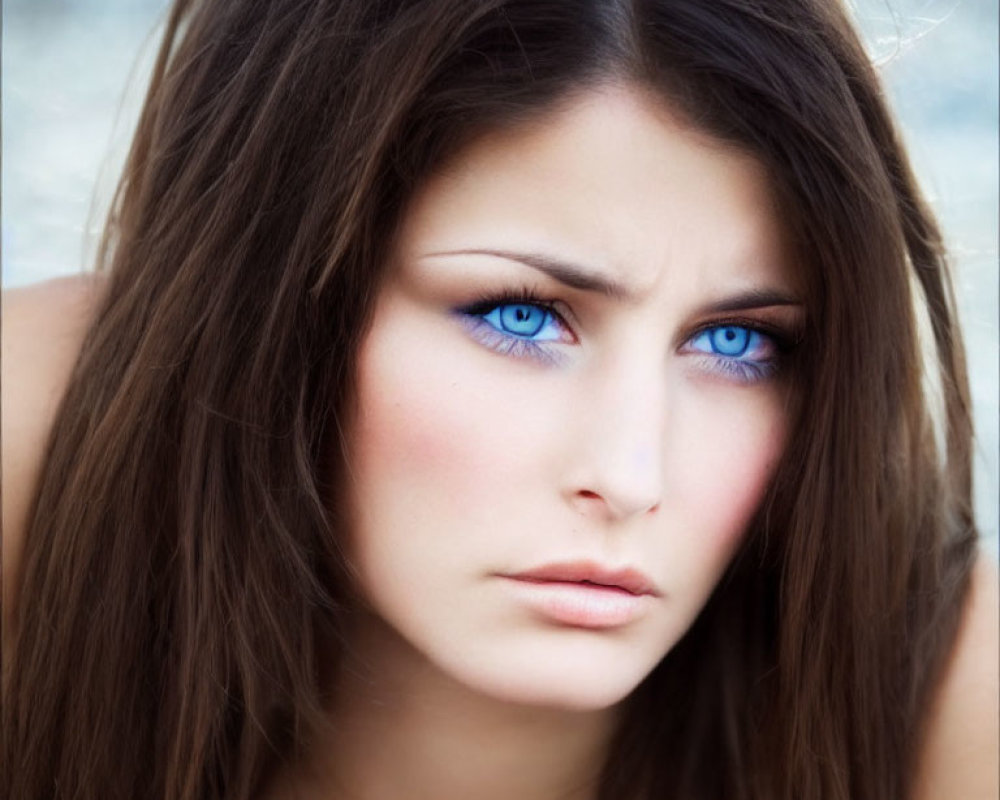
<point x="582" y="605"/>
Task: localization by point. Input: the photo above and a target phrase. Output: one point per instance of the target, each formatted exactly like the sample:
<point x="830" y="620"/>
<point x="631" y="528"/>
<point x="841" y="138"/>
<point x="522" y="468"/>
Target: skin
<point x="42" y="330"/>
<point x="631" y="450"/>
<point x="471" y="463"/>
<point x="622" y="445"/>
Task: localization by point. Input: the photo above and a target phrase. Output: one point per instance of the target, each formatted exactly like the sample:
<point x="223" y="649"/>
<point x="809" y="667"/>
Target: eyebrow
<point x="572" y="275"/>
<point x="752" y="298"/>
<point x="589" y="280"/>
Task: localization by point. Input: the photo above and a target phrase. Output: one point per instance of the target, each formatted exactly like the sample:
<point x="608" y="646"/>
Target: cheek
<point x="433" y="434"/>
<point x="413" y="424"/>
<point x="725" y="449"/>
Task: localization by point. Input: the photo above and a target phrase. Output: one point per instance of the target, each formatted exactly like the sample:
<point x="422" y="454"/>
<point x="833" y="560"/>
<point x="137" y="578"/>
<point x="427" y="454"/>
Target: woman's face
<point x="571" y="400"/>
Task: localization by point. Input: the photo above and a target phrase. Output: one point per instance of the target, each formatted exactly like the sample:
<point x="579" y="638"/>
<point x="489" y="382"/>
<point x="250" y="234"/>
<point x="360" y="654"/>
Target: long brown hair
<point x="183" y="585"/>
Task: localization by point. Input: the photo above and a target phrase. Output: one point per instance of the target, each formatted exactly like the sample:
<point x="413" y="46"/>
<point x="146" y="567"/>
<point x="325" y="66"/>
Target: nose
<point x="618" y="453"/>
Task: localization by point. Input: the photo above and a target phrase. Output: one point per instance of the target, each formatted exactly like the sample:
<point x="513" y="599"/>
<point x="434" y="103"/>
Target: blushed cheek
<point x="725" y="470"/>
<point x="408" y="415"/>
<point x="399" y="427"/>
<point x="427" y="431"/>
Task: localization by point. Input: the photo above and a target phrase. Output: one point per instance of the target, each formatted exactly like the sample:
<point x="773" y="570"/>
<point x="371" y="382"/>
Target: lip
<point x="589" y="573"/>
<point x="584" y="595"/>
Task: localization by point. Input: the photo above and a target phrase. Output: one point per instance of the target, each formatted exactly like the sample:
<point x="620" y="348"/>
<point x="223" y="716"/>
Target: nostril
<point x="588" y="500"/>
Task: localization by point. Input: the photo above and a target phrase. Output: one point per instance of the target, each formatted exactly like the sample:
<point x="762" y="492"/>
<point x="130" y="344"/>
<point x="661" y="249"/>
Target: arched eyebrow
<point x="571" y="275"/>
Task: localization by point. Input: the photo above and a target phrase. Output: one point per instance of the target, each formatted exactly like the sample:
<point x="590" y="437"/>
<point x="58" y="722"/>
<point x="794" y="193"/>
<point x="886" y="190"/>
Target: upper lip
<point x="630" y="580"/>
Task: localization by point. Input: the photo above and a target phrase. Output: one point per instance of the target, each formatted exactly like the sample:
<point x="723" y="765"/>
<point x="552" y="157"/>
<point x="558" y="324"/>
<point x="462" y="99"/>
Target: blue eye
<point x="738" y="352"/>
<point x="519" y="327"/>
<point x="730" y="340"/>
<point x="524" y="320"/>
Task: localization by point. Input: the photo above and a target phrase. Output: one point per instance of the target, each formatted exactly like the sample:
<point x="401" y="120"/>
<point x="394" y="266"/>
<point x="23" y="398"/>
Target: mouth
<point x="584" y="595"/>
<point x="590" y="575"/>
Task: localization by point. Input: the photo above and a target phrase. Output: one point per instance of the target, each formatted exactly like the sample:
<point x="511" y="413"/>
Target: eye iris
<point x="730" y="341"/>
<point x="522" y="319"/>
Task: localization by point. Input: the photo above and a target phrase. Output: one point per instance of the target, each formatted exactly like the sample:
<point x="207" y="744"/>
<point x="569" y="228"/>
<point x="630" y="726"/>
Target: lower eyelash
<point x="742" y="370"/>
<point x="745" y="372"/>
<point x="508" y="345"/>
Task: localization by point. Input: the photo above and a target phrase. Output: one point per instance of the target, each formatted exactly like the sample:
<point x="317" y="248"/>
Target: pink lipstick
<point x="584" y="594"/>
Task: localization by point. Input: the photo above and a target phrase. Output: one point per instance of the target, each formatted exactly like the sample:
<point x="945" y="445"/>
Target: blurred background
<point x="74" y="72"/>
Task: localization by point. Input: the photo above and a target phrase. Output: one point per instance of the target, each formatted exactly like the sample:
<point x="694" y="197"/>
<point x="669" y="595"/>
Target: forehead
<point x="615" y="179"/>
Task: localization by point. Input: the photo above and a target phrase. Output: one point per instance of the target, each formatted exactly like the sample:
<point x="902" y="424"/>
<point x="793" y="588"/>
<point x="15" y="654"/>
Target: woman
<point x="499" y="399"/>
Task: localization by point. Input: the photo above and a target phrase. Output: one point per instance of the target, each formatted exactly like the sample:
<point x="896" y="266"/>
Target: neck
<point x="401" y="728"/>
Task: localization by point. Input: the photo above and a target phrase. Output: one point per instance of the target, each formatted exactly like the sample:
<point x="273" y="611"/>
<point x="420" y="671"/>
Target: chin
<point x="567" y="678"/>
<point x="565" y="696"/>
<point x="578" y="693"/>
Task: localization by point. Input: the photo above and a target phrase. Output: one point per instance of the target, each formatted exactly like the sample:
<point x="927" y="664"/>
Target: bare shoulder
<point x="961" y="756"/>
<point x="41" y="329"/>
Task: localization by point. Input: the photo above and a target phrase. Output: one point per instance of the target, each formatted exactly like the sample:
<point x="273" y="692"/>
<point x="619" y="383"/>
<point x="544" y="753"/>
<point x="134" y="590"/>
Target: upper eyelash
<point x="748" y="371"/>
<point x="487" y="302"/>
<point x="507" y="343"/>
<point x="784" y="339"/>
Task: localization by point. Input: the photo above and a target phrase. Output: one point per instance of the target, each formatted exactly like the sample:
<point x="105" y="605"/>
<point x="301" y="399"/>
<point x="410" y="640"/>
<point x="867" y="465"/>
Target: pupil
<point x="522" y="320"/>
<point x="730" y="341"/>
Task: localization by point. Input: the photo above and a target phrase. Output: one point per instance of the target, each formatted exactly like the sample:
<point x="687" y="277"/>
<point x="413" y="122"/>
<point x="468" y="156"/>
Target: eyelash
<point x="509" y="344"/>
<point x="736" y="368"/>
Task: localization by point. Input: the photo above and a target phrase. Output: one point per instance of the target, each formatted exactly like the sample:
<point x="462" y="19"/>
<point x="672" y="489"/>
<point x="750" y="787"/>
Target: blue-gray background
<point x="73" y="74"/>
